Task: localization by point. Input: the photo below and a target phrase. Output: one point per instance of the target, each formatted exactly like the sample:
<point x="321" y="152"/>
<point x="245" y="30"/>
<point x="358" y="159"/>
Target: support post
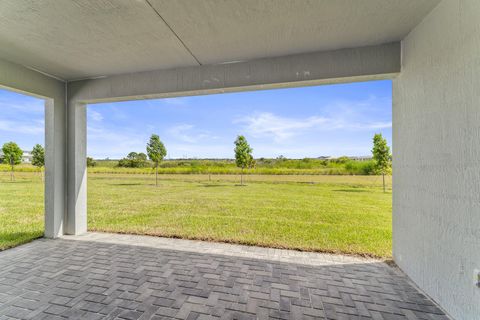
<point x="55" y="136"/>
<point x="76" y="214"/>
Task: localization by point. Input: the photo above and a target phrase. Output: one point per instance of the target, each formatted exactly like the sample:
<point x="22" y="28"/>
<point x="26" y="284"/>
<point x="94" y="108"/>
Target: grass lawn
<point x="348" y="214"/>
<point x="21" y="209"/>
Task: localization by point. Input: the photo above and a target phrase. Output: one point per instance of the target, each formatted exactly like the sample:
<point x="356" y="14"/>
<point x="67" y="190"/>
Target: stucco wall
<point x="436" y="143"/>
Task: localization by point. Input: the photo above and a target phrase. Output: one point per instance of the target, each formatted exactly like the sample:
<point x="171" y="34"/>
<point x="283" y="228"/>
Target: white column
<point x="76" y="217"/>
<point x="55" y="136"/>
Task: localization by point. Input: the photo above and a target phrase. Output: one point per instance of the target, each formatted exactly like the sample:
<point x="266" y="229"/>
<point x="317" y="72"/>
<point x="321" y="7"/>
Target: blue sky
<point x="297" y="122"/>
<point x="22" y="119"/>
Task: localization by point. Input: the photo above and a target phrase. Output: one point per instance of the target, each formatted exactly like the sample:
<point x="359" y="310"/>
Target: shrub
<point x="91" y="162"/>
<point x="134" y="160"/>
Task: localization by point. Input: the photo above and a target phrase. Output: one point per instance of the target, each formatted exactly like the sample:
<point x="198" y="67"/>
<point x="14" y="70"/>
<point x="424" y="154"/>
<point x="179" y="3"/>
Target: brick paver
<point x="104" y="276"/>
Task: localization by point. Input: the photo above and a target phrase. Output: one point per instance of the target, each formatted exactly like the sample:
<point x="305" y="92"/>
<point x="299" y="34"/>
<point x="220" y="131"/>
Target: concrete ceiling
<point x="75" y="39"/>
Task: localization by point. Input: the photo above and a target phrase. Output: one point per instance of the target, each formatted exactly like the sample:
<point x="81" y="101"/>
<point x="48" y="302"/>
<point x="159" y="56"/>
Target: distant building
<point x="27" y="157"/>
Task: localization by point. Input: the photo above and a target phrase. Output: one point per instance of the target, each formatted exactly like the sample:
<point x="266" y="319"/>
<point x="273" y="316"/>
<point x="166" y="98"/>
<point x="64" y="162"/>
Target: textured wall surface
<point x="436" y="134"/>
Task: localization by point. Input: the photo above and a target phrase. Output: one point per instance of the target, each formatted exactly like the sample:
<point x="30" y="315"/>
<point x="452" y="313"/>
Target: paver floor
<point x="106" y="276"/>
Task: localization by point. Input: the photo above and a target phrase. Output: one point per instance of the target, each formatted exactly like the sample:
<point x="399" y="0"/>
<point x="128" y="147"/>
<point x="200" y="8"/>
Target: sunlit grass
<point x="347" y="214"/>
<point x="21" y="209"/>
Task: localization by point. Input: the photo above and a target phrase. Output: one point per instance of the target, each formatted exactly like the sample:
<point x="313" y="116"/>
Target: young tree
<point x="38" y="157"/>
<point x="156" y="152"/>
<point x="243" y="155"/>
<point x="381" y="155"/>
<point x="12" y="154"/>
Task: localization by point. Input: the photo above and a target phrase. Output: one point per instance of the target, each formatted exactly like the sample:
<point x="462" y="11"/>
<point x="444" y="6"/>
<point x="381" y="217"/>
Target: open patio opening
<point x="293" y="197"/>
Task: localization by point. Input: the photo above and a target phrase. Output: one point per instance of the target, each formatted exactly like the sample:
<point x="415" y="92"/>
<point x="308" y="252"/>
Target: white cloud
<point x="94" y="115"/>
<point x="187" y="133"/>
<point x="32" y="106"/>
<point x="340" y="115"/>
<point x="280" y="128"/>
<point x="33" y="127"/>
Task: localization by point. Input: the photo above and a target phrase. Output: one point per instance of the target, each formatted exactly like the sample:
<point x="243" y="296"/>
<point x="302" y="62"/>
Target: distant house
<point x="26" y="157"/>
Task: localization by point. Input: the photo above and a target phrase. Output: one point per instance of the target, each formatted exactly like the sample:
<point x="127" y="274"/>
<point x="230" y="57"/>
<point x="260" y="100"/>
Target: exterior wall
<point x="23" y="80"/>
<point x="436" y="135"/>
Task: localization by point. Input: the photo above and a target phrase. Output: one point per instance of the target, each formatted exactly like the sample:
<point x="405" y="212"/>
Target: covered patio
<point x="109" y="276"/>
<point x="74" y="53"/>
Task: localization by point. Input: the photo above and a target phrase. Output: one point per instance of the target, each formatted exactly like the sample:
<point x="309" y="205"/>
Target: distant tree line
<point x="156" y="151"/>
<point x="381" y="164"/>
<point x="134" y="160"/>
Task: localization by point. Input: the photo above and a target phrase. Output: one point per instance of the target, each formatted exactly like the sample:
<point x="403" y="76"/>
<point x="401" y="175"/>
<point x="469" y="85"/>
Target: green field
<point x="347" y="214"/>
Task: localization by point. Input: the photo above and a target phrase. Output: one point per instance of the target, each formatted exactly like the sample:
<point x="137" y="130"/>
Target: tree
<point x="134" y="160"/>
<point x="38" y="157"/>
<point x="12" y="154"/>
<point x="91" y="162"/>
<point x="381" y="155"/>
<point x="156" y="152"/>
<point x="243" y="155"/>
<point x="142" y="158"/>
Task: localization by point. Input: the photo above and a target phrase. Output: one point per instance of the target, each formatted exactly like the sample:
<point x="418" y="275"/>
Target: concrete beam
<point x="346" y="65"/>
<point x="30" y="82"/>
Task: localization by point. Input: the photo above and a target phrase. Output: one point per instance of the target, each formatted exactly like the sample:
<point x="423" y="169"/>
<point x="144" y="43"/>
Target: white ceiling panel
<point x="88" y="38"/>
<point x="230" y="30"/>
<point x="75" y="39"/>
